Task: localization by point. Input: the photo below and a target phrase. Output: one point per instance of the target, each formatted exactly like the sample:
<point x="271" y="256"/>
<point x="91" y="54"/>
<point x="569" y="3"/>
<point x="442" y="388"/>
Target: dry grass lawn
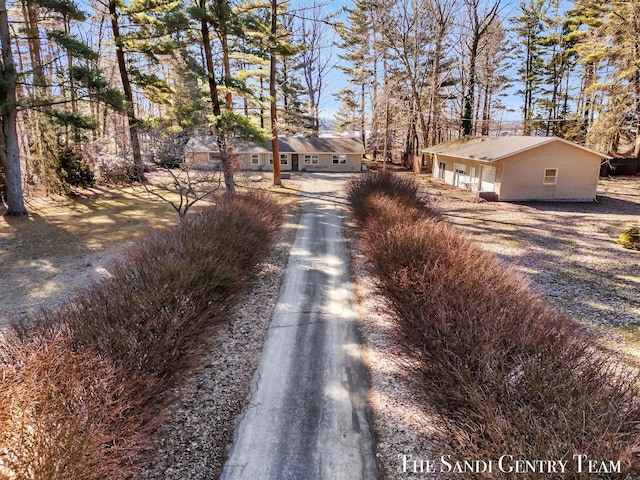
<point x="567" y="250"/>
<point x="64" y="243"/>
<point x="67" y="242"/>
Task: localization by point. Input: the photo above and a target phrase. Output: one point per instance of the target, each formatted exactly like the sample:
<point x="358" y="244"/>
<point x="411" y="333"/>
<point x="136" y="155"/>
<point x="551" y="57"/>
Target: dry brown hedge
<point x="84" y="385"/>
<point x="510" y="374"/>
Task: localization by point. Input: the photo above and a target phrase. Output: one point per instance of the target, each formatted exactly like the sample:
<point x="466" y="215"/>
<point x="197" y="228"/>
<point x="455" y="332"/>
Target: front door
<point x="294" y="162"/>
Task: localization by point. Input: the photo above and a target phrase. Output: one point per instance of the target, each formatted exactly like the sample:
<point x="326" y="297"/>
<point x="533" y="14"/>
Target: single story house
<point x="519" y="168"/>
<point x="328" y="154"/>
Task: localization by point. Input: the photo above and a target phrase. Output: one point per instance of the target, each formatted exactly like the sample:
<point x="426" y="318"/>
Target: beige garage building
<point x="519" y="168"/>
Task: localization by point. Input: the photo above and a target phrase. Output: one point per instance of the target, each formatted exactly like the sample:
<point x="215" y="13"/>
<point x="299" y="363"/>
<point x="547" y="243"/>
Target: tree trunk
<point x="363" y="133"/>
<point x="9" y="146"/>
<point x="479" y="29"/>
<point x="469" y="98"/>
<point x="128" y="93"/>
<point x="275" y="150"/>
<point x="226" y="147"/>
<point x="434" y="106"/>
<point x="223" y="139"/>
<point x="486" y="111"/>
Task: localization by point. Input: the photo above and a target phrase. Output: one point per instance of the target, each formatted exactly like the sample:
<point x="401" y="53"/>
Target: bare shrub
<point x="86" y="383"/>
<point x="403" y="189"/>
<point x="64" y="414"/>
<point x="510" y="373"/>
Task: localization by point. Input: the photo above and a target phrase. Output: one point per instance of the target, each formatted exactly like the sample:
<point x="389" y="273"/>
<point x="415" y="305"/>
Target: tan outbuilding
<point x="519" y="168"/>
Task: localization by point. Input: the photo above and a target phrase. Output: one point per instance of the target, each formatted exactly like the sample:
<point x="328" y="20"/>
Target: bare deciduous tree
<point x="313" y="30"/>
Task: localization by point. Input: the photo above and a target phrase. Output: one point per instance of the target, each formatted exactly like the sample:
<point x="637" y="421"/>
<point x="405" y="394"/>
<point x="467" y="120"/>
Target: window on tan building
<point x="339" y="159"/>
<point x="255" y="159"/>
<point x="550" y="176"/>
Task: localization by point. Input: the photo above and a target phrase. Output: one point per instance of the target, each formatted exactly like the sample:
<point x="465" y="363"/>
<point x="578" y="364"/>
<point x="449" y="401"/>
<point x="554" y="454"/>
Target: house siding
<point x="263" y="165"/>
<point x="472" y="175"/>
<point x="577" y="174"/>
<point x="325" y="163"/>
<point x="201" y="161"/>
<point x="201" y="152"/>
<point x="519" y="177"/>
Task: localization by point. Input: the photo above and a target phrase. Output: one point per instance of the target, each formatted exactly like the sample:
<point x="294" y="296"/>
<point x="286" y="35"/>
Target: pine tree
<point x="619" y="121"/>
<point x="356" y="34"/>
<point x="530" y="28"/>
<point x="9" y="151"/>
<point x="584" y="25"/>
<point x="348" y="117"/>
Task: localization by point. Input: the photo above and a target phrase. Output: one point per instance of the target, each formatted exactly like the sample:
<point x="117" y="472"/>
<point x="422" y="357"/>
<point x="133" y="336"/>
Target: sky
<point x="336" y="80"/>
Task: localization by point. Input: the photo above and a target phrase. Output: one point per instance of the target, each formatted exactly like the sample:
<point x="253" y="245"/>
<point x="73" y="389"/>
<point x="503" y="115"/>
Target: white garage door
<point x="488" y="179"/>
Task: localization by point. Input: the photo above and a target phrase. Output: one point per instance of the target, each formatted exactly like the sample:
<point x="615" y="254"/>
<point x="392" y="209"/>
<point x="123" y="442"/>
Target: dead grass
<point x="67" y="242"/>
<point x="567" y="250"/>
<point x="509" y="373"/>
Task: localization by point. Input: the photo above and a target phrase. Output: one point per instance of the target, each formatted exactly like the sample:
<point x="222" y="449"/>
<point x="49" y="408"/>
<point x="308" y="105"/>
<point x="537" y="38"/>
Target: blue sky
<point x="336" y="81"/>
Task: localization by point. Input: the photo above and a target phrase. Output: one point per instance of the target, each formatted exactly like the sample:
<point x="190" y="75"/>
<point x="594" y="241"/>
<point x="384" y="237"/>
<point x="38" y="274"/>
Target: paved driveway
<point x="307" y="417"/>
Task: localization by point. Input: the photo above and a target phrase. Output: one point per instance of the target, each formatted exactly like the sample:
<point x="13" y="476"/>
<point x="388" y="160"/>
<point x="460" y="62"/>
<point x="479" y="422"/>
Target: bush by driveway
<point x="494" y="365"/>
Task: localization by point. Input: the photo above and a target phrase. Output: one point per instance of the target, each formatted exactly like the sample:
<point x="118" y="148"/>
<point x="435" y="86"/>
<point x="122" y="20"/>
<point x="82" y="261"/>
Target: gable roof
<point x="339" y="145"/>
<point x="491" y="149"/>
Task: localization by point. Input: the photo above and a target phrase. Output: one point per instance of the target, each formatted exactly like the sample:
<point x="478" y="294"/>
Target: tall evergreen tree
<point x="9" y="149"/>
<point x="530" y="28"/>
<point x="585" y="23"/>
<point x="356" y="43"/>
<point x="125" y="78"/>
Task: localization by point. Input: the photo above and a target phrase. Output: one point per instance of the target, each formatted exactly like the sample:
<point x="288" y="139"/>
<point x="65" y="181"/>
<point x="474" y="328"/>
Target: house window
<point x="339" y="159"/>
<point x="550" y="176"/>
<point x="255" y="159"/>
<point x="284" y="159"/>
<point x="271" y="159"/>
<point x="214" y="158"/>
<point x="441" y="169"/>
<point x="311" y="160"/>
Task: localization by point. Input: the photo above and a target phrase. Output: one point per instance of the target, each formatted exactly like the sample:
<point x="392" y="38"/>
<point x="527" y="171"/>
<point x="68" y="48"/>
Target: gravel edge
<point x="403" y="425"/>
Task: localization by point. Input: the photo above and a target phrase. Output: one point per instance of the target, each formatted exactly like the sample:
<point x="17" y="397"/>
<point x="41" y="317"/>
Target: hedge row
<point x="510" y="374"/>
<point x="83" y="387"/>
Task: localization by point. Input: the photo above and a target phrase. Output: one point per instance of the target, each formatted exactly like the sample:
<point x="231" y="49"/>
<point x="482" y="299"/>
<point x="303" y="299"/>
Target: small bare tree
<point x="184" y="182"/>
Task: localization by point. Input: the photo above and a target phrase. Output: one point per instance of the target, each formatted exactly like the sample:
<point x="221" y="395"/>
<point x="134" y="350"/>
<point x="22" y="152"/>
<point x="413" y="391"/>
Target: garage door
<point x="488" y="179"/>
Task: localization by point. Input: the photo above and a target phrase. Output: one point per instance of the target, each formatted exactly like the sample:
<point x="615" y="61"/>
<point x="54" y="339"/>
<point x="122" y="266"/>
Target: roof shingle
<point x="491" y="149"/>
<point x="339" y="145"/>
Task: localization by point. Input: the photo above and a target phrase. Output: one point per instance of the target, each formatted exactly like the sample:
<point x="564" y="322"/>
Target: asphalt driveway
<point x="307" y="416"/>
